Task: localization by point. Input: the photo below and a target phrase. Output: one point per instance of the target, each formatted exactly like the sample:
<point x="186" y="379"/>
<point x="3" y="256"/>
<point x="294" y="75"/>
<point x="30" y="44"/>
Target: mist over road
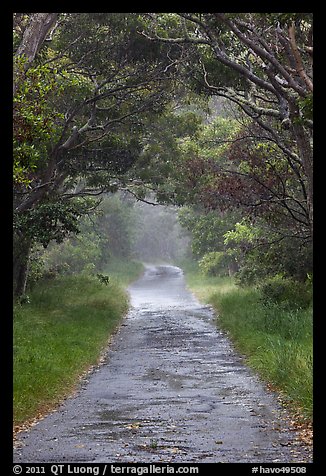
<point x="171" y="389"/>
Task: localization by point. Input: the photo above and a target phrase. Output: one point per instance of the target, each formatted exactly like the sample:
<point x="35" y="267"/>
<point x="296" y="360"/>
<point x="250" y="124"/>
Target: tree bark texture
<point x="22" y="248"/>
<point x="35" y="34"/>
<point x="39" y="26"/>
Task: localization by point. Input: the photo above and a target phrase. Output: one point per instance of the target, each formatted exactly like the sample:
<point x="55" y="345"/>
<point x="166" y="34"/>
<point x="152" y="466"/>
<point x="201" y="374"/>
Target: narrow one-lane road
<point x="171" y="389"/>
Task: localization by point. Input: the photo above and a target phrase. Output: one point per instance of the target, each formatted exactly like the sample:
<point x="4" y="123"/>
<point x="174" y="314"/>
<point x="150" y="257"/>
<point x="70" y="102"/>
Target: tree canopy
<point x="109" y="101"/>
<point x="261" y="62"/>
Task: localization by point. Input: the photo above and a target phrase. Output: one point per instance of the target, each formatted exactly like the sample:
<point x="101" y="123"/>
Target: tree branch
<point x="262" y="53"/>
<point x="299" y="65"/>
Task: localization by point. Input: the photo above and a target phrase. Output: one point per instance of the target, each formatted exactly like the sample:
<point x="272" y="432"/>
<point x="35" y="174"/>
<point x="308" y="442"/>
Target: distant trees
<point x="120" y="229"/>
<point x="158" y="234"/>
<point x="106" y="234"/>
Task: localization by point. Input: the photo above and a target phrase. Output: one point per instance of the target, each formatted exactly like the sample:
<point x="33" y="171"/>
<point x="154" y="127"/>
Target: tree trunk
<point x="35" y="34"/>
<point x="305" y="153"/>
<point x="39" y="26"/>
<point x="22" y="248"/>
<point x="232" y="267"/>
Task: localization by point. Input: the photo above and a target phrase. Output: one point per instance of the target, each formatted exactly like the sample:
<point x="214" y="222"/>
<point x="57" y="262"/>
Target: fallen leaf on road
<point x="133" y="426"/>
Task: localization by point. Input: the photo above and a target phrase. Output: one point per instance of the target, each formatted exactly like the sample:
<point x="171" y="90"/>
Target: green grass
<point x="58" y="336"/>
<point x="124" y="271"/>
<point x="203" y="286"/>
<point x="277" y="343"/>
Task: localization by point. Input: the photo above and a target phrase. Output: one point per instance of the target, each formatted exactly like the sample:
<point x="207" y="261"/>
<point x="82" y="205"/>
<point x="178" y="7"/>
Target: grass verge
<point x="58" y="336"/>
<point x="124" y="272"/>
<point x="277" y="343"/>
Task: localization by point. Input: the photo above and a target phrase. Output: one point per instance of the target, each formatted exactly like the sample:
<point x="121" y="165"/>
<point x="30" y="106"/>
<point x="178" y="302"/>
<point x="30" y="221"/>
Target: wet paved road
<point x="171" y="389"/>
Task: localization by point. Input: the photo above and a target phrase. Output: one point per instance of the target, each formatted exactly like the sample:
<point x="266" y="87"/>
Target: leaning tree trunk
<point x="305" y="152"/>
<point x="22" y="248"/>
<point x="40" y="24"/>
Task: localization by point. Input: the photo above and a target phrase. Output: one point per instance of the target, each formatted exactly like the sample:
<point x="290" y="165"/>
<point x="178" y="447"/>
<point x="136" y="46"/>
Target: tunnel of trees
<point x="209" y="114"/>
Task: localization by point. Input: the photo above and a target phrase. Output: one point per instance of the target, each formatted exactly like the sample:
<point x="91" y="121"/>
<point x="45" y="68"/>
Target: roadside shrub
<point x="35" y="271"/>
<point x="287" y="292"/>
<point x="248" y="276"/>
<point x="74" y="255"/>
<point x="214" y="264"/>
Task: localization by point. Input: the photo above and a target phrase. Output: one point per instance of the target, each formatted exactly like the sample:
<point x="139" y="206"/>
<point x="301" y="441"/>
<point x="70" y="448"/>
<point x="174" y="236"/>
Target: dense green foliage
<point x="36" y="121"/>
<point x="286" y="293"/>
<point x="81" y="104"/>
<point x="214" y="263"/>
<point x="256" y="243"/>
<point x="112" y="101"/>
<point x="120" y="230"/>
